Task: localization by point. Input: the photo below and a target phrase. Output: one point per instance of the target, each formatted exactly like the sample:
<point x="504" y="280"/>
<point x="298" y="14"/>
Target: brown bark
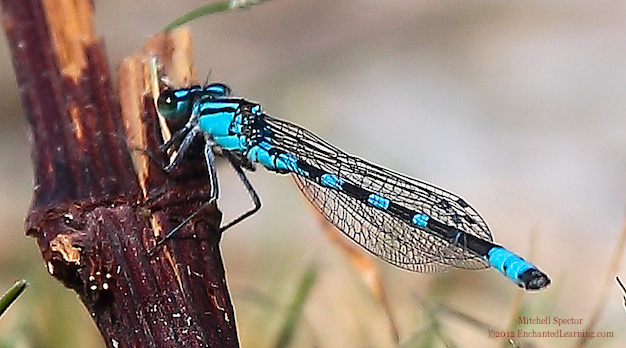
<point x="94" y="216"/>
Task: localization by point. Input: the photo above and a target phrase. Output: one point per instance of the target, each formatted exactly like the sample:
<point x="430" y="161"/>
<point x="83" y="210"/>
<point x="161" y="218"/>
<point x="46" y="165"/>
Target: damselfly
<point x="405" y="221"/>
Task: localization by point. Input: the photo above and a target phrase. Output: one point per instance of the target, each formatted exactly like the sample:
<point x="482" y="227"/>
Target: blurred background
<point x="517" y="106"/>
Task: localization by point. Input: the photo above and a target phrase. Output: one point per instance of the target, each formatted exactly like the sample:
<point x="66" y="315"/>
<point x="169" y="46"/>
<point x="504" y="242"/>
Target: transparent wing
<point x="387" y="236"/>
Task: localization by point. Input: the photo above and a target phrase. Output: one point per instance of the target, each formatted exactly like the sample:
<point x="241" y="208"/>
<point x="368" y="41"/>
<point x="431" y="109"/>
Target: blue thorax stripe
<point x="219" y="106"/>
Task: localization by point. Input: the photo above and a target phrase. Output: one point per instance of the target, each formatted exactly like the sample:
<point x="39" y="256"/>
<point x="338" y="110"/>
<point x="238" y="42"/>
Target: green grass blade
<point x="12" y="294"/>
<point x="295" y="309"/>
<point x="199" y="12"/>
<point x="206" y="10"/>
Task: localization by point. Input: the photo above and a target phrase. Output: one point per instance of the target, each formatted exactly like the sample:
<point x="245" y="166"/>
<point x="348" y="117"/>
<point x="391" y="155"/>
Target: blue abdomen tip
<point x="508" y="263"/>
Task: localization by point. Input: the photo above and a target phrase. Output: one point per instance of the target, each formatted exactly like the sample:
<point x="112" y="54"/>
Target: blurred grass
<point x="294" y="312"/>
<point x="12" y="294"/>
<point x="287" y="300"/>
<point x="47" y="315"/>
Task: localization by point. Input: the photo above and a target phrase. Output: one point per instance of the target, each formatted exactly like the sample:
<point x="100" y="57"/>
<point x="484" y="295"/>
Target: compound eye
<point x="173" y="103"/>
<point x="166" y="98"/>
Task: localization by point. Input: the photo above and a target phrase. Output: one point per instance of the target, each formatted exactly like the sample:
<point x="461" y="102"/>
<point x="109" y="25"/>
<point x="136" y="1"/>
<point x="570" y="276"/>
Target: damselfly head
<point x="176" y="103"/>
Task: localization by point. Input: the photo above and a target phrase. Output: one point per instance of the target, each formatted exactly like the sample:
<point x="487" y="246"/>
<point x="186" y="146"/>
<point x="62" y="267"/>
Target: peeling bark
<point x="93" y="214"/>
